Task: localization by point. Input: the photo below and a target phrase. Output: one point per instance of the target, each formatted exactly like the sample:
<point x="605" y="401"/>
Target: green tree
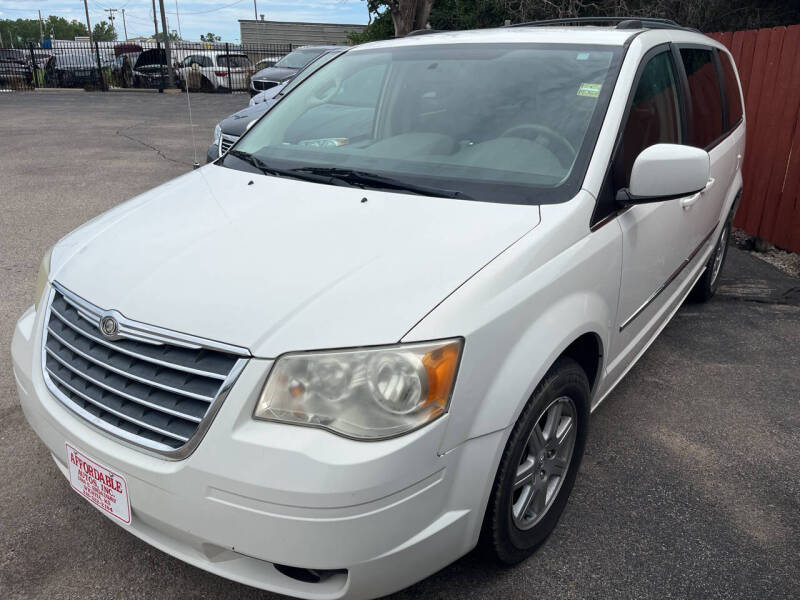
<point x="406" y="15"/>
<point x="210" y="37"/>
<point x="58" y="28"/>
<point x="103" y="32"/>
<point x="21" y="32"/>
<point x="379" y="28"/>
<point x="173" y="36"/>
<point x="709" y="15"/>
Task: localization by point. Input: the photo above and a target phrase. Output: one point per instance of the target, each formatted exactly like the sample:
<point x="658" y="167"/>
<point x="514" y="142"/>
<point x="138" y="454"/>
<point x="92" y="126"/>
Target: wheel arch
<point x="587" y="351"/>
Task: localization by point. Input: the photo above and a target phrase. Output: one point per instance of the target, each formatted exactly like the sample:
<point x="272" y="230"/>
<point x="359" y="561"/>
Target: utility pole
<point x="178" y="16"/>
<point x="124" y="25"/>
<point x="41" y="28"/>
<point x="255" y="10"/>
<point x="155" y="22"/>
<point x="88" y="24"/>
<point x="111" y="12"/>
<point x="170" y="73"/>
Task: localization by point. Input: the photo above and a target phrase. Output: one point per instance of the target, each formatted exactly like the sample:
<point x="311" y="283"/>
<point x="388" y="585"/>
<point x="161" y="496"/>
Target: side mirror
<point x="665" y="172"/>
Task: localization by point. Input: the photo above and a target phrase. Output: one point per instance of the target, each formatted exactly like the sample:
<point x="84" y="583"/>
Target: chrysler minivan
<point x="338" y="358"/>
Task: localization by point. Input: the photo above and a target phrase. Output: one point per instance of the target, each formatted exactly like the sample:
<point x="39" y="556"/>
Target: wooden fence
<point x="769" y="67"/>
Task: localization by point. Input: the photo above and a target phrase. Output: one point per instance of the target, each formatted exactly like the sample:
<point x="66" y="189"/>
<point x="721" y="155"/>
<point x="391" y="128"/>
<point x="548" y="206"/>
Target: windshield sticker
<point x="582" y="56"/>
<point x="589" y="90"/>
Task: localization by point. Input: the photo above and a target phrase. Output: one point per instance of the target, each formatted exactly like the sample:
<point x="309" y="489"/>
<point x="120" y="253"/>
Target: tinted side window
<point x="654" y="116"/>
<point x="706" y="96"/>
<point x="732" y="97"/>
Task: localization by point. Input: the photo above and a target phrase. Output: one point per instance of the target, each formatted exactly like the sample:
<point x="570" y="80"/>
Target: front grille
<point x="262" y="85"/>
<point x="145" y="385"/>
<point x="225" y="143"/>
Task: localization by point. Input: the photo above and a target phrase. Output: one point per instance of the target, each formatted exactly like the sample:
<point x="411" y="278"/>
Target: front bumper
<point x="256" y="494"/>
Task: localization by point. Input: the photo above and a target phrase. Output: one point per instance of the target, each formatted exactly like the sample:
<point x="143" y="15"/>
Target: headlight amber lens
<point x="368" y="394"/>
<point x="41" y="278"/>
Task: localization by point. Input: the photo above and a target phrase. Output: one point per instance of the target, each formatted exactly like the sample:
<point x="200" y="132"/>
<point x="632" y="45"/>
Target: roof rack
<point x="422" y="32"/>
<point x="621" y="22"/>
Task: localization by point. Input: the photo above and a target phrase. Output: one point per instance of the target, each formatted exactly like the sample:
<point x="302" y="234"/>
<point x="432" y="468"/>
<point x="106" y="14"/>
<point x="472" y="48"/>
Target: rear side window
<point x="732" y="96"/>
<point x="654" y="116"/>
<point x="706" y="99"/>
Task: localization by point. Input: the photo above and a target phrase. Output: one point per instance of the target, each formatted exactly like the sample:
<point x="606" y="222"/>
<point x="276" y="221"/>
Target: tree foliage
<point x="210" y="37"/>
<point x="173" y="36"/>
<point x="21" y="32"/>
<point x="103" y="32"/>
<point x="705" y="15"/>
<point x="406" y="15"/>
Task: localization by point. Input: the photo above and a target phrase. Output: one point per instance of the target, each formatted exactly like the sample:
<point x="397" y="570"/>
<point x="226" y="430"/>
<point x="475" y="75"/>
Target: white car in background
<point x="370" y="336"/>
<point x="209" y="71"/>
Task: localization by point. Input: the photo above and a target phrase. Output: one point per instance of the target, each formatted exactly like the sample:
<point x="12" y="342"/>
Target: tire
<point x="512" y="528"/>
<point x="707" y="285"/>
<point x="206" y="86"/>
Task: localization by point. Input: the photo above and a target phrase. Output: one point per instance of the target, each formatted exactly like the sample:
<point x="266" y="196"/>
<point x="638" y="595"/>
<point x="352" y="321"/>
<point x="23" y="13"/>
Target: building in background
<point x="297" y="34"/>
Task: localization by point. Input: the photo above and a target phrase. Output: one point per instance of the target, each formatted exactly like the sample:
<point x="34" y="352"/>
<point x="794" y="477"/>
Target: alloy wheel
<point x="544" y="463"/>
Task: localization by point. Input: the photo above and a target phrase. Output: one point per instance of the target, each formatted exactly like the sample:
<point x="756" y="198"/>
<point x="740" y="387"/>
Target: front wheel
<point x="539" y="465"/>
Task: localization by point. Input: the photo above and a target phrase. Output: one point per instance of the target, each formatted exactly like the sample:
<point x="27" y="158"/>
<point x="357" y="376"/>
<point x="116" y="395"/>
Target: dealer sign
<point x="99" y="485"/>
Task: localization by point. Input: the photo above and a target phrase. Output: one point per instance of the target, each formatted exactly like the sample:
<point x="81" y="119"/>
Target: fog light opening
<point x="308" y="575"/>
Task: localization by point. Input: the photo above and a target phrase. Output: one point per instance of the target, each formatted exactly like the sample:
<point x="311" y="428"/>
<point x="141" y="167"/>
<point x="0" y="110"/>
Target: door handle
<point x="687" y="203"/>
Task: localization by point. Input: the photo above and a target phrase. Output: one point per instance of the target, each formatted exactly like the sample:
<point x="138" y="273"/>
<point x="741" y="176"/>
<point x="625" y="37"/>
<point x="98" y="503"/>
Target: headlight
<point x="217" y="133"/>
<point x="42" y="277"/>
<point x="367" y="394"/>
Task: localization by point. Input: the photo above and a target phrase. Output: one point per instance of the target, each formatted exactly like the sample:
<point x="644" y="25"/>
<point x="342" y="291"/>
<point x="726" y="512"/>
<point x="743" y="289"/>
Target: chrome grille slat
<point x="116" y="413"/>
<point x="123" y="394"/>
<point x="140" y="356"/>
<point x="225" y="143"/>
<point x="151" y="387"/>
<point x="119" y="371"/>
<point x="218" y="359"/>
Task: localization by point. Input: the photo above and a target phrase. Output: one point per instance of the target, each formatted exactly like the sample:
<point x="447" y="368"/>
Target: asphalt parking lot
<point x="690" y="487"/>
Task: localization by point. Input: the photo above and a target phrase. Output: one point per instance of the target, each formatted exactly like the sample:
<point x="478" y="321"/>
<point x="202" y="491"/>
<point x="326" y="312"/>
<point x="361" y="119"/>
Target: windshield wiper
<point x="266" y="169"/>
<point x="365" y="179"/>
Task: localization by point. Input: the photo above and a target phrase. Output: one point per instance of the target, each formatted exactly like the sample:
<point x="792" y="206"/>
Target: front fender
<point x="522" y="311"/>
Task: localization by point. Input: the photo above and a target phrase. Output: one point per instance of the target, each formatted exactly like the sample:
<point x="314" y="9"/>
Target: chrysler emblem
<point x="109" y="327"/>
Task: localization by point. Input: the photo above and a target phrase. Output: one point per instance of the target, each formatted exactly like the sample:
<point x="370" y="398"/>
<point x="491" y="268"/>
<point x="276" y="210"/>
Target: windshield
<point x="236" y="61"/>
<point x="501" y="122"/>
<point x="298" y="59"/>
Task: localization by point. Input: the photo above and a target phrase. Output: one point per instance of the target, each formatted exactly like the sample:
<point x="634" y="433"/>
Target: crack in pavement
<point x="156" y="149"/>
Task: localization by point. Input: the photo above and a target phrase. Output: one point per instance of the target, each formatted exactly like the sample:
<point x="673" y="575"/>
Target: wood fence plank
<point x="736" y="46"/>
<point x="765" y="51"/>
<point x="781" y="132"/>
<point x="745" y="61"/>
<point x="787" y="225"/>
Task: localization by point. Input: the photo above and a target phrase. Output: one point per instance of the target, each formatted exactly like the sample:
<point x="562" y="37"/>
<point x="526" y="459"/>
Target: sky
<point x="195" y="16"/>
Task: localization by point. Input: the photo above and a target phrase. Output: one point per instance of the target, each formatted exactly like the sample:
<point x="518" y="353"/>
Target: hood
<point x="282" y="264"/>
<point x="275" y="74"/>
<point x="155" y="57"/>
<point x="237" y="123"/>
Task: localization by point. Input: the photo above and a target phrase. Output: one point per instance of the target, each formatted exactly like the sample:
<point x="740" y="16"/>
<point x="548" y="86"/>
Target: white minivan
<point x="370" y="336"/>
